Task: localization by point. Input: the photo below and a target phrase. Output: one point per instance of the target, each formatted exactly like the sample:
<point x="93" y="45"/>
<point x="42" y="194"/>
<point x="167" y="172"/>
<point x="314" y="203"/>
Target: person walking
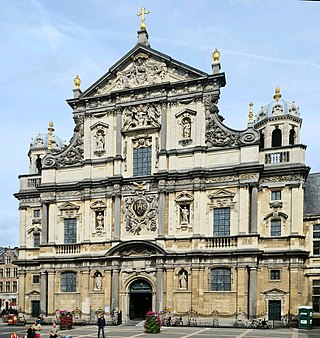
<point x="14" y="335"/>
<point x="101" y="324"/>
<point x="54" y="331"/>
<point x="30" y="332"/>
<point x="37" y="328"/>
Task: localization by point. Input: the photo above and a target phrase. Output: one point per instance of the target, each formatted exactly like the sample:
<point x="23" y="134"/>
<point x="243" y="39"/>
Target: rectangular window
<point x="275" y="274"/>
<point x="14" y="286"/>
<point x="1" y="273"/>
<point x="68" y="282"/>
<point x="316" y="295"/>
<point x="1" y="286"/>
<point x="316" y="239"/>
<point x="220" y="280"/>
<point x="36" y="213"/>
<point x="70" y="230"/>
<point x="36" y="239"/>
<point x="275" y="227"/>
<point x="142" y="161"/>
<point x="7" y="286"/>
<point x="7" y="260"/>
<point x="15" y="272"/>
<point x="276" y="195"/>
<point x="36" y="279"/>
<point x="221" y="222"/>
<point x="7" y="272"/>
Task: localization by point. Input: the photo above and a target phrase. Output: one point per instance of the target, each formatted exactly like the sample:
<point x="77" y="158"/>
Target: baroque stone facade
<point x="156" y="204"/>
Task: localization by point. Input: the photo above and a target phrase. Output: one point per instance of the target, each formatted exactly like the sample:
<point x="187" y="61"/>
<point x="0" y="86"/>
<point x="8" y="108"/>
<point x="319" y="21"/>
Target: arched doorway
<point x="140" y="299"/>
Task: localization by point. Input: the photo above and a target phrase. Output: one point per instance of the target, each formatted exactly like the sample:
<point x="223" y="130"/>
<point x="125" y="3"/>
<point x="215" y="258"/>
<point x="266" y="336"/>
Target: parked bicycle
<point x="258" y="324"/>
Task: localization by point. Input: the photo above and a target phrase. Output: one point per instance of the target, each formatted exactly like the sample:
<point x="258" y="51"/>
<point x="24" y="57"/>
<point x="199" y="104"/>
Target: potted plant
<point x="152" y="323"/>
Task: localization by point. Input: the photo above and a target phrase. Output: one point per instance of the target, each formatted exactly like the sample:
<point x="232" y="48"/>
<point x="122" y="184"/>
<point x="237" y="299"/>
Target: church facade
<point x="155" y="204"/>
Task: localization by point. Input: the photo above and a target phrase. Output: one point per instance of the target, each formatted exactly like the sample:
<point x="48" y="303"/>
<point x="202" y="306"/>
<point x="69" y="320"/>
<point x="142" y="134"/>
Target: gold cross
<point x="142" y="14"/>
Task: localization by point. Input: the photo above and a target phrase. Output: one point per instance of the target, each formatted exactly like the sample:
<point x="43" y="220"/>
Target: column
<point x="51" y="293"/>
<point x="117" y="218"/>
<point x="44" y="223"/>
<point x="22" y="290"/>
<point x="85" y="288"/>
<point x="253" y="209"/>
<point x="118" y="158"/>
<point x="252" y="295"/>
<point x="159" y="290"/>
<point x="115" y="289"/>
<point x="163" y="138"/>
<point x="162" y="202"/>
<point x="43" y="292"/>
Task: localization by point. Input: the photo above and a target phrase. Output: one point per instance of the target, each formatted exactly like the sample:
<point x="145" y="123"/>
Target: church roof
<point x="312" y="195"/>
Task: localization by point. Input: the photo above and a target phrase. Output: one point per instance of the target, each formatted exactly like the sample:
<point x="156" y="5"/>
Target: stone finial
<point x="250" y="112"/>
<point x="277" y="95"/>
<point x="216" y="56"/>
<point x="143" y="12"/>
<point x="50" y="135"/>
<point x="77" y="82"/>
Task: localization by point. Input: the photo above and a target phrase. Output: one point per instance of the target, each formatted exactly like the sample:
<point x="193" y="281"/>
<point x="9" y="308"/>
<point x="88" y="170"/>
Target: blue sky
<point x="44" y="43"/>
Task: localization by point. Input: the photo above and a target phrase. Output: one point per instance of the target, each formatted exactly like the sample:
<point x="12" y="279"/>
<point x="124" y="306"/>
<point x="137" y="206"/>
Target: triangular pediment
<point x="69" y="206"/>
<point x="142" y="66"/>
<point x="221" y="193"/>
<point x="274" y="291"/>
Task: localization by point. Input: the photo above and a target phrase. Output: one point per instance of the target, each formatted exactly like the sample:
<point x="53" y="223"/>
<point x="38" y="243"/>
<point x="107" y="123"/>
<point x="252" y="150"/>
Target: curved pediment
<point x="136" y="248"/>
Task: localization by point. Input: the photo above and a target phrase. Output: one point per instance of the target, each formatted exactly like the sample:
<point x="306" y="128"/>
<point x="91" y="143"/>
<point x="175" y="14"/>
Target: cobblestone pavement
<point x="169" y="332"/>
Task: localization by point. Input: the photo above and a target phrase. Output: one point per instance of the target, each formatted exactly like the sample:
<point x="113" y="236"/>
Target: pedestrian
<point x="101" y="324"/>
<point x="54" y="331"/>
<point x="30" y="332"/>
<point x="14" y="335"/>
<point x="37" y="328"/>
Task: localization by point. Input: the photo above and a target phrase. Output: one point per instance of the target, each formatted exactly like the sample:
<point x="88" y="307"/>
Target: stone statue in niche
<point x="98" y="281"/>
<point x="186" y="128"/>
<point x="183" y="280"/>
<point x="184" y="213"/>
<point x="100" y="140"/>
<point x="100" y="221"/>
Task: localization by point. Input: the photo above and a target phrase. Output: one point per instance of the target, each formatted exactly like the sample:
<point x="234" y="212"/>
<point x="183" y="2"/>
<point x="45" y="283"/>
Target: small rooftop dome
<point x="277" y="107"/>
<point x="47" y="141"/>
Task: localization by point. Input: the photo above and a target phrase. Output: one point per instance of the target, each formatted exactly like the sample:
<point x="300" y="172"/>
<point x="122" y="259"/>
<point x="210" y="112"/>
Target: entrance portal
<point x="140" y="299"/>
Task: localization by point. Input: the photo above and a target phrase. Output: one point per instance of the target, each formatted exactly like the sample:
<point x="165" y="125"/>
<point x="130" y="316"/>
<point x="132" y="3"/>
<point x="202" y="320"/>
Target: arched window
<point x="276" y="138"/>
<point x="292" y="136"/>
<point x="68" y="282"/>
<point x="220" y="279"/>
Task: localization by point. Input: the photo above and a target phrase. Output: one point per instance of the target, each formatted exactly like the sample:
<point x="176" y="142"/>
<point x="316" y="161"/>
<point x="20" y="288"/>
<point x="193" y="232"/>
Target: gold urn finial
<point x="77" y="82"/>
<point x="277" y="95"/>
<point x="50" y="129"/>
<point x="143" y="12"/>
<point x="250" y="112"/>
<point x="216" y="55"/>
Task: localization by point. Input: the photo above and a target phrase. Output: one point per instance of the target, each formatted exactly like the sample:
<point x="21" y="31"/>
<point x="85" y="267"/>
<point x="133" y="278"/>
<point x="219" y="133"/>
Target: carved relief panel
<point x="141" y="116"/>
<point x="140" y="213"/>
